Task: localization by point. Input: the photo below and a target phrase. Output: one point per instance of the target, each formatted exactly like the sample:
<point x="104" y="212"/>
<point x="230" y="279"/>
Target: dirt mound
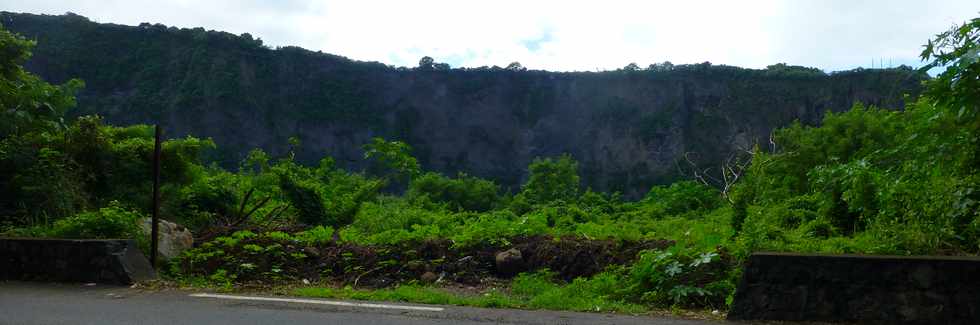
<point x="574" y="257"/>
<point x="262" y="259"/>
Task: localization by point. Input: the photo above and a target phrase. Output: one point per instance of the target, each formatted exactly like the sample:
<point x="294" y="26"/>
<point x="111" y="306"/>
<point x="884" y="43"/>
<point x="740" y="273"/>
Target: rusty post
<point x="155" y="220"/>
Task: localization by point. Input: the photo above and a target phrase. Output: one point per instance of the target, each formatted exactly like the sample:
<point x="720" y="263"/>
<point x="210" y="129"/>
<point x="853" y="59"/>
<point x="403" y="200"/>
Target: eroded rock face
<point x="509" y="262"/>
<point x="628" y="130"/>
<point x="174" y="238"/>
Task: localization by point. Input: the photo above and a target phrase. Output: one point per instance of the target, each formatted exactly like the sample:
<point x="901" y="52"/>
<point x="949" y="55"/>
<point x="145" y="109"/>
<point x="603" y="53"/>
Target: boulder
<point x="429" y="277"/>
<point x="311" y="251"/>
<point x="174" y="238"/>
<point x="509" y="262"/>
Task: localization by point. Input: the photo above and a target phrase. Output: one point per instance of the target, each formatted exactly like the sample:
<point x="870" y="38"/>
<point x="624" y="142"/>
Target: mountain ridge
<point x="629" y="129"/>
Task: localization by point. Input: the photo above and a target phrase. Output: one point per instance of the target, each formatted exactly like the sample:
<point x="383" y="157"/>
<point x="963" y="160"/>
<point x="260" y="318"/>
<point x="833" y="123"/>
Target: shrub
<point x="316" y="236"/>
<point x="678" y="277"/>
<point x="308" y="203"/>
<point x="682" y="197"/>
<point x="113" y="221"/>
<point x="209" y="196"/>
<point x="463" y="193"/>
<point x="496" y="227"/>
<point x="595" y="294"/>
<point x="552" y="179"/>
<point x="391" y="213"/>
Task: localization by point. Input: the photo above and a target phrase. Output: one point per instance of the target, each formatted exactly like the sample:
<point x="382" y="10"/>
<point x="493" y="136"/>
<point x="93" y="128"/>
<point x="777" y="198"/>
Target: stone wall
<point x="65" y="260"/>
<point x="852" y="288"/>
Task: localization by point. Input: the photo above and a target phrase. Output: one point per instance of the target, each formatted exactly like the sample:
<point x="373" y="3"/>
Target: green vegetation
<point x="531" y="291"/>
<point x="865" y="181"/>
<point x="112" y="221"/>
<point x="415" y="294"/>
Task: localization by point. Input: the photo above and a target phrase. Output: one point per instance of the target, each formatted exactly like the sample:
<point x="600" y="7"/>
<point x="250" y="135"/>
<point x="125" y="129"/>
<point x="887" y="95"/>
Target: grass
<point x="413" y="293"/>
<point x="529" y="291"/>
<point x="529" y="294"/>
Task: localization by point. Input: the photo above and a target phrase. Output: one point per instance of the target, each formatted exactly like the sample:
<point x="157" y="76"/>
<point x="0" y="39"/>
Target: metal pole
<point x="154" y="221"/>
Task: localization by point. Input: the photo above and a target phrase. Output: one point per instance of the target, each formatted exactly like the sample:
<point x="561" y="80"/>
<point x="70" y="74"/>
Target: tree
<point x="515" y="66"/>
<point x="958" y="87"/>
<point x="426" y="63"/>
<point x="552" y="179"/>
<point x="661" y="67"/>
<point x="631" y="67"/>
<point x="35" y="179"/>
<point x="392" y="159"/>
<point x="28" y="103"/>
<point x="245" y="36"/>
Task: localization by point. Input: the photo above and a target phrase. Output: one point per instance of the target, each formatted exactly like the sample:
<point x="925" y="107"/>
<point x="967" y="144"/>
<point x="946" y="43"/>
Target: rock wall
<point x="66" y="260"/>
<point x="865" y="289"/>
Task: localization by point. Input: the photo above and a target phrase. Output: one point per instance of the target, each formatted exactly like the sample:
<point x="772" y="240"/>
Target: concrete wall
<point x="876" y="289"/>
<point x="65" y="260"/>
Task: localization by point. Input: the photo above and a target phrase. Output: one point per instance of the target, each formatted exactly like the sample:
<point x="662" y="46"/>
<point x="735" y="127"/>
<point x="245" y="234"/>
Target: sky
<point x="562" y="35"/>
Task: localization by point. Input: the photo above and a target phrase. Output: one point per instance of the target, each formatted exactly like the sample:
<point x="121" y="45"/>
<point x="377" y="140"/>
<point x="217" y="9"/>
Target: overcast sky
<point x="561" y="35"/>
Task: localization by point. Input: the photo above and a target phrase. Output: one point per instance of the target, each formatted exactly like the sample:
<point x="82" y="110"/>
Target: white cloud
<point x="566" y="35"/>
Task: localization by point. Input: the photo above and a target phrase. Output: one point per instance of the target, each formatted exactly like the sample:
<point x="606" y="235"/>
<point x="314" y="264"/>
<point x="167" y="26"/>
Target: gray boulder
<point x="509" y="262"/>
<point x="174" y="238"/>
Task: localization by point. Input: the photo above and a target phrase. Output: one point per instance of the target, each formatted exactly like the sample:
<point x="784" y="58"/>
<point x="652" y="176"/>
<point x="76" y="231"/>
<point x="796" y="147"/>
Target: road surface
<point x="77" y="304"/>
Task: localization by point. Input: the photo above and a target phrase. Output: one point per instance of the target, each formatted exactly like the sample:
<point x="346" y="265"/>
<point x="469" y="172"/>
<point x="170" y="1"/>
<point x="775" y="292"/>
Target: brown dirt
<point x="381" y="266"/>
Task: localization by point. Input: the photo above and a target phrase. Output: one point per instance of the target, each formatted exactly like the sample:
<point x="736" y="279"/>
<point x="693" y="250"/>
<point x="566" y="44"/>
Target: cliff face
<point x="626" y="128"/>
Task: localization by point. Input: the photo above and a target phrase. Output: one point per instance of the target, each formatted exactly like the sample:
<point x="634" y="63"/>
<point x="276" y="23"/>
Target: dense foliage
<point x="877" y="181"/>
<point x="866" y="180"/>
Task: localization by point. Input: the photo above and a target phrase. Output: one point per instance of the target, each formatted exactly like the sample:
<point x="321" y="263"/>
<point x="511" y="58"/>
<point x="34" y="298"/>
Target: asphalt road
<point x="39" y="303"/>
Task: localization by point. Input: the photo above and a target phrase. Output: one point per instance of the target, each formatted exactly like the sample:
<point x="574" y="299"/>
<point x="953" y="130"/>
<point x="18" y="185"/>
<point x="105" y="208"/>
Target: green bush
<point x="303" y="195"/>
<point x="682" y="198"/>
<point x="552" y="179"/>
<point x="114" y="221"/>
<point x="316" y="236"/>
<point x="678" y="277"/>
<point x="211" y="196"/>
<point x="463" y="193"/>
<point x="324" y="196"/>
<point x="497" y="227"/>
<point x="391" y="213"/>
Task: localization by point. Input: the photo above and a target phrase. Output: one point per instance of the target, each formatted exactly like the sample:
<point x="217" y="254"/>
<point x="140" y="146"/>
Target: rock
<point x="429" y="277"/>
<point x="174" y="238"/>
<point x="311" y="251"/>
<point x="509" y="262"/>
<point x="415" y="266"/>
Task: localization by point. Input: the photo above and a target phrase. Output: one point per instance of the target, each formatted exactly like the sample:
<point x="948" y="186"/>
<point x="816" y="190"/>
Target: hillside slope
<point x="627" y="128"/>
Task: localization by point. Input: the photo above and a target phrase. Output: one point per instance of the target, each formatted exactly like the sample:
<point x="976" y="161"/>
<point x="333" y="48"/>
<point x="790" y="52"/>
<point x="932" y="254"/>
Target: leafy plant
<point x="114" y="221"/>
<point x="463" y="193"/>
<point x="552" y="179"/>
